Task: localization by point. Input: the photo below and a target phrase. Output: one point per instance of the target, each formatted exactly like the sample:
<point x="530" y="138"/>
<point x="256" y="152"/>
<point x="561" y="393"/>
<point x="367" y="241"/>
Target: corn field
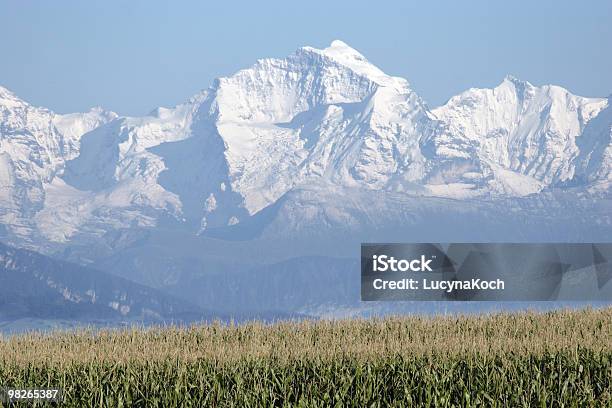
<point x="561" y="358"/>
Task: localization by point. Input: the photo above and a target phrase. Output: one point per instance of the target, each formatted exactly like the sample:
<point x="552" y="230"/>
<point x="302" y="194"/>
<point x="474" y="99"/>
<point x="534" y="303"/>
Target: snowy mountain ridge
<point x="532" y="131"/>
<point x="325" y="119"/>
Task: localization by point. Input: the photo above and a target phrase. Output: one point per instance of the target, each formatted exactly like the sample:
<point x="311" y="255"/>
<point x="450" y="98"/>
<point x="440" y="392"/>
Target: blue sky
<point x="131" y="56"/>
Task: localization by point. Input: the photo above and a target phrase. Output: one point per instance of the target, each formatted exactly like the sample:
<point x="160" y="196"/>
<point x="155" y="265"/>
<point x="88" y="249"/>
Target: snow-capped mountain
<point x="519" y="137"/>
<point x="316" y="118"/>
<point x="35" y="145"/>
<point x="302" y="156"/>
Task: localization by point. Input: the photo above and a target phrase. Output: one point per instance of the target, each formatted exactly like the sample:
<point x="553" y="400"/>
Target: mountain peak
<point x="516" y="81"/>
<point x="340" y="43"/>
<point x="339" y="47"/>
<point x="343" y="54"/>
<point x="8" y="98"/>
